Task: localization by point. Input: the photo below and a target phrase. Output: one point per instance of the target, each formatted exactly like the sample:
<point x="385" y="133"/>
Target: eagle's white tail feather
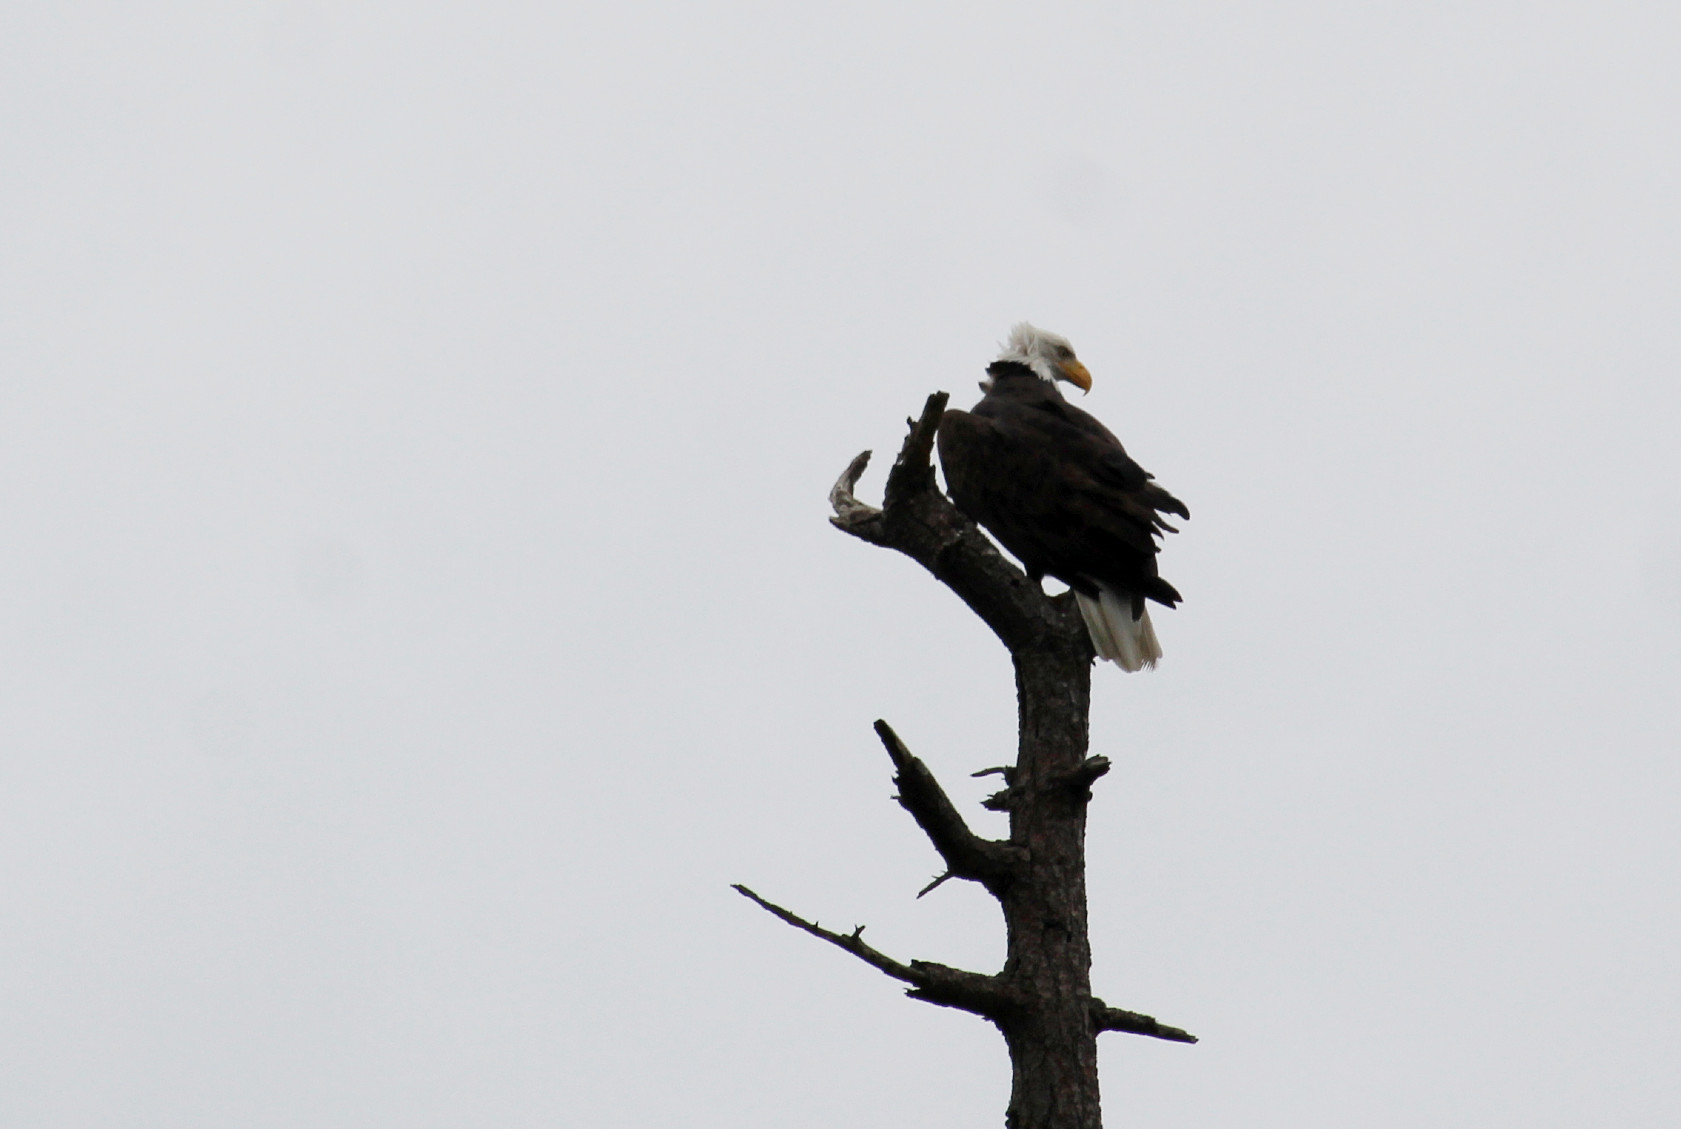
<point x="1115" y="635"/>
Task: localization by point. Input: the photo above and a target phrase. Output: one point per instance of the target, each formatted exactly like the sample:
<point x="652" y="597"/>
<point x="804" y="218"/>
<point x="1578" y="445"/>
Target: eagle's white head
<point x="1046" y="353"/>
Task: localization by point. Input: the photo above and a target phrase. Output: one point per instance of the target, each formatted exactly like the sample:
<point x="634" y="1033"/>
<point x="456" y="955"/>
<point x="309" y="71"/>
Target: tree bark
<point x="1052" y="1039"/>
<point x="1041" y="999"/>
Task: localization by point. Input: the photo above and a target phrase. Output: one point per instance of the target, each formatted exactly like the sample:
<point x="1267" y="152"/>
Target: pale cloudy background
<point x="417" y="605"/>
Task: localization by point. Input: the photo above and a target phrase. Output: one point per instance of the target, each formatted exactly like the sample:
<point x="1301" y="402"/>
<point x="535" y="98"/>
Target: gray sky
<point x="417" y="603"/>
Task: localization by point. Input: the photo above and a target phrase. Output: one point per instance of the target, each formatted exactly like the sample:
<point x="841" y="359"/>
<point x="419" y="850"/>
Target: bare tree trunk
<point x="1052" y="1040"/>
<point x="1041" y="1000"/>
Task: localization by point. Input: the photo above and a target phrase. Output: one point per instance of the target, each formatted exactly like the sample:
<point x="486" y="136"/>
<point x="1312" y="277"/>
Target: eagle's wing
<point x="1059" y="491"/>
<point x="1111" y="463"/>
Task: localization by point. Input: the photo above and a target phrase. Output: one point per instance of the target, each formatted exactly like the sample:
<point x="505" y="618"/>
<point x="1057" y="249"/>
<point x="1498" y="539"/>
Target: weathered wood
<point x="920" y="522"/>
<point x="934" y="983"/>
<point x="993" y="864"/>
<point x="1041" y="999"/>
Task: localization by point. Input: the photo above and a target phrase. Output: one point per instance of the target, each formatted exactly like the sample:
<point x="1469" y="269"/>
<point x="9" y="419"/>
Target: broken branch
<point x="920" y="522"/>
<point x="932" y="983"/>
<point x="1109" y="1018"/>
<point x="967" y="855"/>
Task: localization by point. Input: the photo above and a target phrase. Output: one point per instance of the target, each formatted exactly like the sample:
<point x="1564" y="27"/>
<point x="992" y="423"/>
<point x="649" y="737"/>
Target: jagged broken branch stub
<point x="990" y="862"/>
<point x="1114" y="1019"/>
<point x="916" y="519"/>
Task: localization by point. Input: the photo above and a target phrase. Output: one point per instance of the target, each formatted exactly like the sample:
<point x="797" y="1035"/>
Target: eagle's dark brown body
<point x="1057" y="489"/>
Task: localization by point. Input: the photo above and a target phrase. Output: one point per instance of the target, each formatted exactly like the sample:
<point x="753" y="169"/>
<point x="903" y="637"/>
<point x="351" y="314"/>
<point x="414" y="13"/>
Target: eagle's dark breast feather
<point x="1056" y="487"/>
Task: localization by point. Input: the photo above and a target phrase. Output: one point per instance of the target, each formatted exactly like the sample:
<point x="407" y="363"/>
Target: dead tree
<point x="1041" y="999"/>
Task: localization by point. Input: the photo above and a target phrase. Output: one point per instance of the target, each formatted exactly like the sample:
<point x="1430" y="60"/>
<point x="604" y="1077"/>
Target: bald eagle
<point x="1056" y="488"/>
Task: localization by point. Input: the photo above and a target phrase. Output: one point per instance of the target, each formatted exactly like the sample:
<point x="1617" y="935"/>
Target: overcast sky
<point x="417" y="604"/>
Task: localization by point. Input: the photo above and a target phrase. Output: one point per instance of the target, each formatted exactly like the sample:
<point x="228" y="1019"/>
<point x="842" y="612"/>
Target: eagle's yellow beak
<point x="1076" y="374"/>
